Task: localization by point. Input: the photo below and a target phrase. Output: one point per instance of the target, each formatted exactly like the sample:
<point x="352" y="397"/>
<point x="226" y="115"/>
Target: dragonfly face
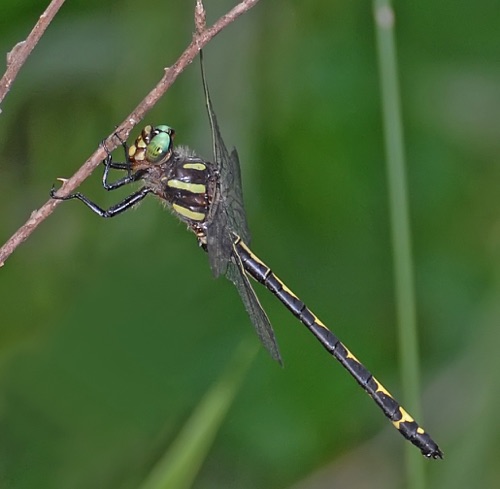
<point x="153" y="146"/>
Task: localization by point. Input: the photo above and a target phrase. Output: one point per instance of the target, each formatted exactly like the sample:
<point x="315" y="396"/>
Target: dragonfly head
<point x="153" y="147"/>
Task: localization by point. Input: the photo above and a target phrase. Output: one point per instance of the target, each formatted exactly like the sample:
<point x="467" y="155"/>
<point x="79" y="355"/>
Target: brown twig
<point x="20" y="52"/>
<point x="200" y="39"/>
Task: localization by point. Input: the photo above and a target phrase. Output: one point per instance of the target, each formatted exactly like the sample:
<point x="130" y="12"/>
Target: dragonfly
<point x="208" y="197"/>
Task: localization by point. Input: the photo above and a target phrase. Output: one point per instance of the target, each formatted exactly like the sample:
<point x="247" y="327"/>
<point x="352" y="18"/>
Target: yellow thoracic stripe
<point x="195" y="188"/>
<point x="194" y="166"/>
<point x="183" y="211"/>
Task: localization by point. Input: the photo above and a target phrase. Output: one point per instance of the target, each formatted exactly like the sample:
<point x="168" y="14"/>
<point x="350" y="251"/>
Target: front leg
<point x="127" y="166"/>
<point x="114" y="210"/>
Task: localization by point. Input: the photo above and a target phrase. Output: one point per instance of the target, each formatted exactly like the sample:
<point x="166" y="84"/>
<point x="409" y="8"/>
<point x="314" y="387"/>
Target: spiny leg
<point x="127" y="166"/>
<point x="114" y="210"/>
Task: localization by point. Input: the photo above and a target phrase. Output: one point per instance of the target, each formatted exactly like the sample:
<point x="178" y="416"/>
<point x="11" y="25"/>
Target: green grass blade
<point x="401" y="239"/>
<point x="179" y="466"/>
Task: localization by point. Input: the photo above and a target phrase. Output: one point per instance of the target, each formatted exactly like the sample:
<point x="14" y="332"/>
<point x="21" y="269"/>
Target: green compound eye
<point x="160" y="145"/>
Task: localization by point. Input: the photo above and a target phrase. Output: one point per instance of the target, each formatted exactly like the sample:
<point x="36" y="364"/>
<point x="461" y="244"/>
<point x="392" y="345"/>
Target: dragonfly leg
<point x="127" y="166"/>
<point x="114" y="210"/>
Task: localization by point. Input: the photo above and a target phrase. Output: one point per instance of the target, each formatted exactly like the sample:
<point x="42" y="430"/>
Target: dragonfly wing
<point x="260" y="321"/>
<point x="227" y="218"/>
<point x="232" y="192"/>
<point x="227" y="212"/>
<point x="219" y="243"/>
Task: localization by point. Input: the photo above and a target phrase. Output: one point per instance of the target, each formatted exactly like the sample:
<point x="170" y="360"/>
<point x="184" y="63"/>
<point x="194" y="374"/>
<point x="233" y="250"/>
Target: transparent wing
<point x="227" y="219"/>
<point x="227" y="211"/>
<point x="236" y="273"/>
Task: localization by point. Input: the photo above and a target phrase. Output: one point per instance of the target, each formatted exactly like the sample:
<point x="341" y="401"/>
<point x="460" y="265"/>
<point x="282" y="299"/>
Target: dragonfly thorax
<point x="188" y="185"/>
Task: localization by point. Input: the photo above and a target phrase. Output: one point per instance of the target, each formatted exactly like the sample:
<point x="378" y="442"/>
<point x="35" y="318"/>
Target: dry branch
<point x="20" y="52"/>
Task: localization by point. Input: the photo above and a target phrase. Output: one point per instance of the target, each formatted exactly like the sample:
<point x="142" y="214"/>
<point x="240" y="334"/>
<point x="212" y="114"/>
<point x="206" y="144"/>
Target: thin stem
<point x="401" y="238"/>
<point x="20" y="52"/>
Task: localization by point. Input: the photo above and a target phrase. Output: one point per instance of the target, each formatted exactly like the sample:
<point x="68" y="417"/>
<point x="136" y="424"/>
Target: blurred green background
<point x="112" y="331"/>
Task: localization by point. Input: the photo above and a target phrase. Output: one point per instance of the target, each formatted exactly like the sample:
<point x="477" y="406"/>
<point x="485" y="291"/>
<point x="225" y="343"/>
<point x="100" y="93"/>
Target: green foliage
<point x="112" y="331"/>
<point x="179" y="466"/>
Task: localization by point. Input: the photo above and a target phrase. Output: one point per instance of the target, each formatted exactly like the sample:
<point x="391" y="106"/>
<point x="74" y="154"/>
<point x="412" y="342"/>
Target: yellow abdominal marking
<point x="183" y="211"/>
<point x="286" y="289"/>
<point x="381" y="388"/>
<point x="194" y="166"/>
<point x="195" y="188"/>
<point x="350" y="355"/>
<point x="249" y="251"/>
<point x="320" y="323"/>
<point x="405" y="418"/>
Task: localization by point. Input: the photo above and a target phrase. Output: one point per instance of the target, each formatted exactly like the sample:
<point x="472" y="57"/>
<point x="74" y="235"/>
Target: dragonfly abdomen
<point x="399" y="417"/>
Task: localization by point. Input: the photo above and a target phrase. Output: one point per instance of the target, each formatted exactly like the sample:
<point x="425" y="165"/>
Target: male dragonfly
<point x="208" y="198"/>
